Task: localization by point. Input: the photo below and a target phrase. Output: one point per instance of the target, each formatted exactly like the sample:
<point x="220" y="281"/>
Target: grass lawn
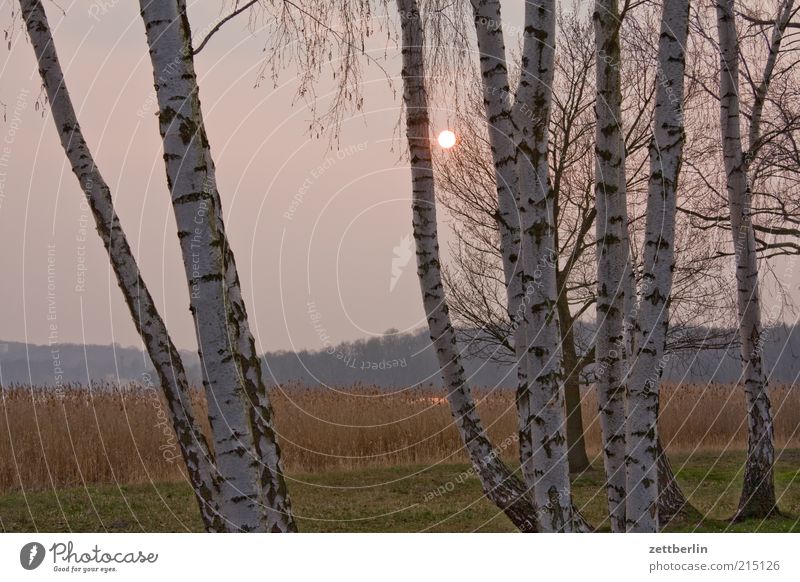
<point x="392" y="499"/>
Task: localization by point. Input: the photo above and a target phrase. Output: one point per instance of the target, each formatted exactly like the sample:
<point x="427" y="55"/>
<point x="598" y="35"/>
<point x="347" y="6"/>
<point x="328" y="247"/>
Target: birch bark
<point x="254" y="495"/>
<point x="785" y="12"/>
<point x="612" y="254"/>
<point x="758" y="493"/>
<point x="502" y="131"/>
<point x="502" y="139"/>
<point x="548" y="469"/>
<point x="666" y="154"/>
<point x="671" y="500"/>
<point x="498" y="483"/>
<point x="149" y="324"/>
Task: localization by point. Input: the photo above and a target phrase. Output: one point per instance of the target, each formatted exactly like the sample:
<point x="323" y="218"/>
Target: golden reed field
<point x="121" y="434"/>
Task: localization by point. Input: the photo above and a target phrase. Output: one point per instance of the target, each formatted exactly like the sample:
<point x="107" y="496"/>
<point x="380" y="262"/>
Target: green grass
<point x="392" y="499"/>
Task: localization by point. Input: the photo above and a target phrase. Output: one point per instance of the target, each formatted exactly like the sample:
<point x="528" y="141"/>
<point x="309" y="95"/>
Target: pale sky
<point x="349" y="211"/>
<point x="349" y="207"/>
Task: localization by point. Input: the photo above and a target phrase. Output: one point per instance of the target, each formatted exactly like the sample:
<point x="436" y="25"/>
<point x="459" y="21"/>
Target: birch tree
<point x="502" y="133"/>
<point x="500" y="116"/>
<point x="768" y="87"/>
<point x="498" y="483"/>
<point x="613" y="263"/>
<point x="253" y="492"/>
<point x="666" y="153"/>
<point x="547" y="471"/>
<point x="758" y="492"/>
<point x="149" y="324"/>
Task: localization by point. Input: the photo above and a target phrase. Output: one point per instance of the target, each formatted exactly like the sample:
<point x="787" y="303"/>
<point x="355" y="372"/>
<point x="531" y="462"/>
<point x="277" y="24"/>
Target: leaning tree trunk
<point x="612" y="254"/>
<point x="548" y="469"/>
<point x="758" y="493"/>
<point x="254" y="495"/>
<point x="499" y="484"/>
<point x="666" y="154"/>
<point x="155" y="337"/>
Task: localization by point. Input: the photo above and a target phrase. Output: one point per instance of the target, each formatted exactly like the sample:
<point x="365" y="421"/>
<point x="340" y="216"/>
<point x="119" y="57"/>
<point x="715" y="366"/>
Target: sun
<point x="447" y="139"/>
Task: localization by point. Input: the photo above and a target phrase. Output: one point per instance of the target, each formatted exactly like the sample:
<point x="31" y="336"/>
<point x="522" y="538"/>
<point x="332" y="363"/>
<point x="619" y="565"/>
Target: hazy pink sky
<point x="309" y="223"/>
<point x="336" y="250"/>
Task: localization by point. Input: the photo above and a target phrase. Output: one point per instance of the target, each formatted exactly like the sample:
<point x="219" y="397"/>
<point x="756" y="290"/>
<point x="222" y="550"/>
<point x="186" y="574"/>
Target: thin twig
<point x="219" y="24"/>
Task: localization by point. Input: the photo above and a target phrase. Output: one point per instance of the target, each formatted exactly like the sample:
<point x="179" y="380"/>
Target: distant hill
<point x="22" y="363"/>
<point x="395" y="360"/>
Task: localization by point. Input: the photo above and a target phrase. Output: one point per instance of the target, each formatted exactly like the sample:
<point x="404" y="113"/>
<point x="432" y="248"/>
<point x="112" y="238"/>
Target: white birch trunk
<point x="785" y="12"/>
<point x="502" y="139"/>
<point x="758" y="493"/>
<point x="666" y="154"/>
<point x="254" y="495"/>
<point x="613" y="273"/>
<point x="548" y="469"/>
<point x="499" y="485"/>
<point x="148" y="322"/>
<point x="671" y="500"/>
<point x="631" y="304"/>
<point x="502" y="133"/>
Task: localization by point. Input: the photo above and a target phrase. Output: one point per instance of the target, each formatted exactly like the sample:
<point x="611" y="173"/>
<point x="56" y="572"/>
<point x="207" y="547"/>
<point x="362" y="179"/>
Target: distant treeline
<point x="394" y="360"/>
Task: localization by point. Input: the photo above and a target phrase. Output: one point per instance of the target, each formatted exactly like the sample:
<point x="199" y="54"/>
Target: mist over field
<point x="393" y="360"/>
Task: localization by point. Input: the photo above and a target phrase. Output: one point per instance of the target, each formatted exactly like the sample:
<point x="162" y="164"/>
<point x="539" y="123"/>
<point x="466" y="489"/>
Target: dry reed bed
<point x="121" y="434"/>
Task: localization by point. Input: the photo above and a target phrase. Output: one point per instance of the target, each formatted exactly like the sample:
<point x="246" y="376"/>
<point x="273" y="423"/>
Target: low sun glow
<point x="447" y="139"/>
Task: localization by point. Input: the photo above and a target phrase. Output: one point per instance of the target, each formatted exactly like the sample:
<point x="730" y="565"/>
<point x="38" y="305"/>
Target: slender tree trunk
<point x="631" y="303"/>
<point x="666" y="155"/>
<point x="612" y="254"/>
<point x="254" y="495"/>
<point x="758" y="493"/>
<point x="548" y="470"/>
<point x="500" y="486"/>
<point x="671" y="500"/>
<point x="785" y="12"/>
<point x="502" y="135"/>
<point x="148" y="322"/>
<point x="576" y="443"/>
